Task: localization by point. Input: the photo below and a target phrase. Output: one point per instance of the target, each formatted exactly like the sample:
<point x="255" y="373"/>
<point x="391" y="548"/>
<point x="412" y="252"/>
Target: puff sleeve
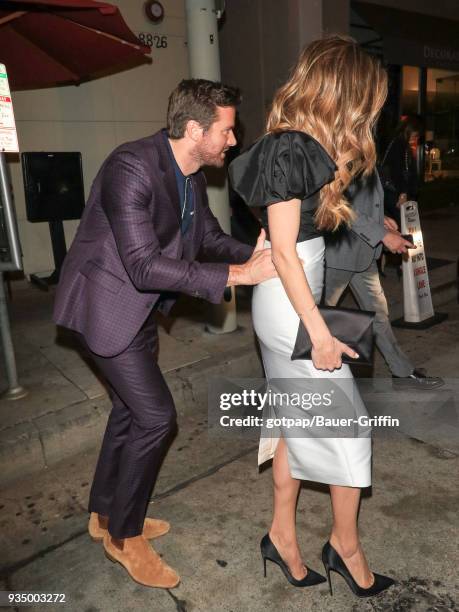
<point x="279" y="167"/>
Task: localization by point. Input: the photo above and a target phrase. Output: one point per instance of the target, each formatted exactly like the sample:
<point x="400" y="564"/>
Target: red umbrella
<point x="50" y="42"/>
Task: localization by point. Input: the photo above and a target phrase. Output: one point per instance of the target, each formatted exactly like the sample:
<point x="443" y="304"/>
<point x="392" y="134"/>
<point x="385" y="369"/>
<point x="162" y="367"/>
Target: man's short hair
<point x="197" y="100"/>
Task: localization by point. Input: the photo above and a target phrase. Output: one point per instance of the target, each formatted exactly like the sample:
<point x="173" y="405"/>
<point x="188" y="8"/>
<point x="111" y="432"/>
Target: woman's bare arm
<point x="284" y="225"/>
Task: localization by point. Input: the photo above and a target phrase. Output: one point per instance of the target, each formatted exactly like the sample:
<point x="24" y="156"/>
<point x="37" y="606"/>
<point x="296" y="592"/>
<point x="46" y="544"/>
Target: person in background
<point x="351" y="255"/>
<point x="398" y="167"/>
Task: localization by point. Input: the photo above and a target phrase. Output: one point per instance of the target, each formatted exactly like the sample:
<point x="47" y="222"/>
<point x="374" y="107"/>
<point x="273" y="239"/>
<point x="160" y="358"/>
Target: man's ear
<point x="194" y="130"/>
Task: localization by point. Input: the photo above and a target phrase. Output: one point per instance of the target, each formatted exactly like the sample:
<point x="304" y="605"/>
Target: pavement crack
<point x="42" y="444"/>
<point x="214" y="469"/>
<point x="6" y="572"/>
<point x="72" y="382"/>
<point x="180" y="604"/>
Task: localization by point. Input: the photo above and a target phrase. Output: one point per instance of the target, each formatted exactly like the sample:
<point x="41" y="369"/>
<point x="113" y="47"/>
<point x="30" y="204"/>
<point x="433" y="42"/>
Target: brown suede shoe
<point x="143" y="564"/>
<point x="152" y="528"/>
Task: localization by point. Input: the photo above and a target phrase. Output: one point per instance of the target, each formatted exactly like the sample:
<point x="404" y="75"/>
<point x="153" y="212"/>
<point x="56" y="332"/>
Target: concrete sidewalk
<point x="67" y="406"/>
<point x="220" y="507"/>
<point x="408" y="527"/>
<point x="209" y="486"/>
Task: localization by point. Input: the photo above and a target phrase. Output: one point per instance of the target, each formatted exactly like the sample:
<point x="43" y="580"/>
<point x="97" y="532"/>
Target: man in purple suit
<point x="147" y="234"/>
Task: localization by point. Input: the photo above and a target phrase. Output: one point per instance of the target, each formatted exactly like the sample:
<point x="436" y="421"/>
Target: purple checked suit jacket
<point x="129" y="251"/>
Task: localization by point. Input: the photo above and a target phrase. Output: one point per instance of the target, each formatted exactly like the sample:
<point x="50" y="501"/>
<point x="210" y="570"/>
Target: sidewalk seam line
<point x="209" y="472"/>
<point x="62" y="373"/>
<point x="6" y="572"/>
<point x="42" y="444"/>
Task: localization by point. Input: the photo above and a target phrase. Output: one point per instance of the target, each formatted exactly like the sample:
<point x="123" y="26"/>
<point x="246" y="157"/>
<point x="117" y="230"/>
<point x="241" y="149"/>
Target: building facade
<point x="97" y="116"/>
<point x="417" y="40"/>
<point x="259" y="42"/>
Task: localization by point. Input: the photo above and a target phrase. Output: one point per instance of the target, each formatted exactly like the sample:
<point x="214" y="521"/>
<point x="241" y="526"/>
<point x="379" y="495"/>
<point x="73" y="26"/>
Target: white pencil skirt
<point x="340" y="461"/>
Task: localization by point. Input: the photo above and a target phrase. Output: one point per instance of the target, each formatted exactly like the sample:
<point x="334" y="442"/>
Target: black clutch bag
<point x="353" y="327"/>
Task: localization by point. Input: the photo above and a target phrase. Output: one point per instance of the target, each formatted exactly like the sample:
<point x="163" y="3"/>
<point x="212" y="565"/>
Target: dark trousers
<point x="369" y="294"/>
<point x="390" y="206"/>
<point x="139" y="429"/>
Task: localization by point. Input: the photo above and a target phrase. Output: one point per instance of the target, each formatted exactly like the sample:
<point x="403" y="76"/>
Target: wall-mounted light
<point x="154" y="11"/>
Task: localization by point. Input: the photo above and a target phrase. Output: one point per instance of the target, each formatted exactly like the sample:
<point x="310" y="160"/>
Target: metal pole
<point x="7" y="206"/>
<point x="14" y="391"/>
<point x="204" y="58"/>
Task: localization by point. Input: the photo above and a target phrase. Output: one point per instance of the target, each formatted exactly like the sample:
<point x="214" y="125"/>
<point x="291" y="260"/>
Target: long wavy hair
<point x="334" y="93"/>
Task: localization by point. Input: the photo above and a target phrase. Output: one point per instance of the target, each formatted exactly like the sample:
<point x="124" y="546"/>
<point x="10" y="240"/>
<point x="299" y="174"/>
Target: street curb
<point x="32" y="446"/>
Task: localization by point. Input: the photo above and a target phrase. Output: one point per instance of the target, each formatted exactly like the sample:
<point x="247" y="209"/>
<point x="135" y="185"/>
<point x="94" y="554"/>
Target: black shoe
<point x="333" y="563"/>
<point x="269" y="551"/>
<point x="418" y="379"/>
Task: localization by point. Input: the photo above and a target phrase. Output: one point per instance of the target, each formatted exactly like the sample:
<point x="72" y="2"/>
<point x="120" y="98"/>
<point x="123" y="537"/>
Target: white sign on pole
<point x="8" y="135"/>
<point x="417" y="300"/>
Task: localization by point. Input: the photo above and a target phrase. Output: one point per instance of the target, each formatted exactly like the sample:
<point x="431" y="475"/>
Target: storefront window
<point x="410" y="90"/>
<point x="442" y="123"/>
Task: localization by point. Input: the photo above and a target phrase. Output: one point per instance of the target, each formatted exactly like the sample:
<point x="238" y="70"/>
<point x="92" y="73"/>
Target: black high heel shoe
<point x="333" y="562"/>
<point x="269" y="551"/>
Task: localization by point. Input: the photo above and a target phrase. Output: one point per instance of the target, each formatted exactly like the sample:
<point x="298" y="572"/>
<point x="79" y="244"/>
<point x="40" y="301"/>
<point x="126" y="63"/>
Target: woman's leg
<point x="345" y="536"/>
<point x="283" y="528"/>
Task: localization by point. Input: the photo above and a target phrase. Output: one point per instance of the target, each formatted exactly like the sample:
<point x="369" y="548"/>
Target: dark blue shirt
<point x="185" y="190"/>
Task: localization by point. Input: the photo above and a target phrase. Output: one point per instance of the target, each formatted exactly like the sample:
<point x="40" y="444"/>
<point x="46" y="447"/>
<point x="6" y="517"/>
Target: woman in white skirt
<point x="319" y="138"/>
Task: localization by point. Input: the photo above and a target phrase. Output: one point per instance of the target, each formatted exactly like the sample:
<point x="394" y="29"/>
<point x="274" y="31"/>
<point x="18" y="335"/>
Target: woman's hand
<point x="326" y="354"/>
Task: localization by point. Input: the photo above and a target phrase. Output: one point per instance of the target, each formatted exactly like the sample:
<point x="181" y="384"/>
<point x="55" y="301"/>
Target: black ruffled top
<point x="279" y="167"/>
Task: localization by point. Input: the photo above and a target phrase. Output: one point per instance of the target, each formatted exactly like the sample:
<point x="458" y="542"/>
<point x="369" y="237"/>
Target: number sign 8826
<point x="153" y="40"/>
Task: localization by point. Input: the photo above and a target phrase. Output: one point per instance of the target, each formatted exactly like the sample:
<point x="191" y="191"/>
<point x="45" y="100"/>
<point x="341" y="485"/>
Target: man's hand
<point x="395" y="242"/>
<point x="402" y="198"/>
<point x="256" y="269"/>
<point x="260" y="265"/>
<point x="390" y="224"/>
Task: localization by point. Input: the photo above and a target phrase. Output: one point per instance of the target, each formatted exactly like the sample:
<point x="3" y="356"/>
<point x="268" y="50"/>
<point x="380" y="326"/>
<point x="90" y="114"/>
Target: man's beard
<point x="210" y="158"/>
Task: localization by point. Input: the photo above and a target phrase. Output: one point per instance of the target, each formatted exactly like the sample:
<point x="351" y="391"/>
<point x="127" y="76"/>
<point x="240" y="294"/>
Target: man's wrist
<point x="387" y="233"/>
<point x="237" y="275"/>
